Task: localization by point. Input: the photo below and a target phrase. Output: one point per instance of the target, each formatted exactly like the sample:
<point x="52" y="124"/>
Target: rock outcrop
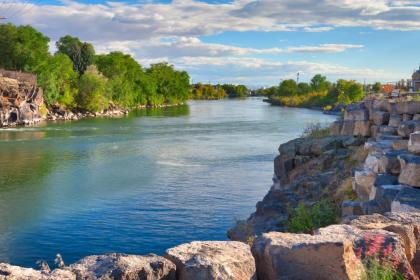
<point x="213" y="260"/>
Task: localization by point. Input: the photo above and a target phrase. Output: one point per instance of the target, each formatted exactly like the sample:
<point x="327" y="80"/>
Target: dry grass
<point x="316" y="130"/>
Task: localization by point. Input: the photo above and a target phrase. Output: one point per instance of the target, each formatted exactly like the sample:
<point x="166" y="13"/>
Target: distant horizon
<point x="255" y="43"/>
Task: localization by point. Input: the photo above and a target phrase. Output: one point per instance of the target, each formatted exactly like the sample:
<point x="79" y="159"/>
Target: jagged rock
<point x="209" y="260"/>
<point x="416" y="117"/>
<point x="383" y="196"/>
<point x="123" y="267"/>
<point x="11" y="272"/>
<point x="414" y="143"/>
<point x="407" y="117"/>
<point x="410" y="170"/>
<point x="400" y="144"/>
<point x="395" y="120"/>
<point x="362" y="183"/>
<point x="407" y="200"/>
<point x="372" y="162"/>
<point x="389" y="162"/>
<point x="388" y="130"/>
<point x="335" y="128"/>
<point x="352" y="208"/>
<point x="296" y="256"/>
<point x="356" y="128"/>
<point x="379" y="117"/>
<point x="374" y="131"/>
<point x="356" y="115"/>
<point x="408" y="127"/>
<point x="380" y="146"/>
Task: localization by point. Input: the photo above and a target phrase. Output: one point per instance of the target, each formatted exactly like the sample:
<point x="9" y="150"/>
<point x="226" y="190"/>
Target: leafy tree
<point x="124" y="78"/>
<point x="22" y="48"/>
<point x="58" y="80"/>
<point x="348" y="91"/>
<point x="81" y="53"/>
<point x="376" y="87"/>
<point x="208" y="92"/>
<point x="92" y="91"/>
<point x="288" y="88"/>
<point x="234" y="91"/>
<point x="319" y="83"/>
<point x="304" y="88"/>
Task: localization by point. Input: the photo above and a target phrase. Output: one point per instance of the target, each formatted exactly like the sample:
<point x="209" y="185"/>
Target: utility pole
<point x="297" y="78"/>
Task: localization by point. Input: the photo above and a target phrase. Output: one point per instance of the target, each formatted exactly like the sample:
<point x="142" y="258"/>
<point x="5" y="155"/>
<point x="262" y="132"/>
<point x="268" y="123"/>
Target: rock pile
<point x="390" y="177"/>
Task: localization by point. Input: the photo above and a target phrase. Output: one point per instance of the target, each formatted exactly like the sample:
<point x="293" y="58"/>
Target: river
<point x="141" y="183"/>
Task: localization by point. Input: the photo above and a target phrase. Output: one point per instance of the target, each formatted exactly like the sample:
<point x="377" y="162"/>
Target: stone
<point x="207" y="260"/>
<point x="347" y="128"/>
<point x="374" y="131"/>
<point x="362" y="183"/>
<point x="400" y="144"/>
<point x="335" y="128"/>
<point x="408" y="107"/>
<point x="389" y="162"/>
<point x="416" y="117"/>
<point x="327" y="255"/>
<point x="407" y="200"/>
<point x="372" y="162"/>
<point x="351" y="208"/>
<point x="361" y="128"/>
<point x="123" y="267"/>
<point x="384" y="195"/>
<point x="414" y="143"/>
<point x="385" y="179"/>
<point x="408" y="127"/>
<point x="380" y="146"/>
<point x="410" y="170"/>
<point x="386" y="129"/>
<point x="407" y="117"/>
<point x="379" y="117"/>
<point x="11" y="272"/>
<point x="395" y="120"/>
<point x="387" y="137"/>
<point x="356" y="115"/>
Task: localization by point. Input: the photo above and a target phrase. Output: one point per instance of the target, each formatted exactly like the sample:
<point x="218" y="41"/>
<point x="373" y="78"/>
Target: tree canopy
<point x="81" y="53"/>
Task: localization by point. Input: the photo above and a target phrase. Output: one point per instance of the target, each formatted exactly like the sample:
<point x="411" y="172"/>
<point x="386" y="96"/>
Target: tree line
<point x="319" y="92"/>
<point x="77" y="78"/>
<point x="214" y="92"/>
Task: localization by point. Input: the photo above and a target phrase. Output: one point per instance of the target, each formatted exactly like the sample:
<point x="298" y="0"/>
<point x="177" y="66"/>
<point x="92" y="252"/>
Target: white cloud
<point x="324" y="48"/>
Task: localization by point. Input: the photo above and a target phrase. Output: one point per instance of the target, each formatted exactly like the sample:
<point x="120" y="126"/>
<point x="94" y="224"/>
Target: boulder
<point x="383" y="195"/>
<point x="356" y="128"/>
<point x="380" y="146"/>
<point x="209" y="260"/>
<point x="351" y="208"/>
<point x="400" y="144"/>
<point x="410" y="170"/>
<point x="362" y="183"/>
<point x="11" y="272"/>
<point x="389" y="162"/>
<point x="407" y="117"/>
<point x="374" y="131"/>
<point x="327" y="255"/>
<point x="394" y="120"/>
<point x="408" y="127"/>
<point x="414" y="143"/>
<point x="407" y="200"/>
<point x="335" y="128"/>
<point x="123" y="267"/>
<point x="408" y="107"/>
<point x="372" y="162"/>
<point x="379" y="117"/>
<point x="389" y="130"/>
<point x="416" y="117"/>
<point x="356" y="114"/>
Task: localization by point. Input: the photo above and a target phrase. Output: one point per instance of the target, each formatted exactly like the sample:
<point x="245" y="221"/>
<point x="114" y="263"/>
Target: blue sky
<point x="255" y="42"/>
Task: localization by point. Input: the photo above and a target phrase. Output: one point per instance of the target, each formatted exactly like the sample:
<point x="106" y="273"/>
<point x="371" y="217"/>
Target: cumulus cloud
<point x="324" y="48"/>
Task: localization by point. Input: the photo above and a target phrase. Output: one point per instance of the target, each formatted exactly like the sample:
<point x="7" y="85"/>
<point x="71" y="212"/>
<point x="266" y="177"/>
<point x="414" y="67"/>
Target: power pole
<point x="297" y="78"/>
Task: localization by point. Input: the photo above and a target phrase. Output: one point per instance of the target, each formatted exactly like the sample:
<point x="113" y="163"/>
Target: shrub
<point x="306" y="219"/>
<point x="92" y="91"/>
<point x="376" y="271"/>
<point x="316" y="130"/>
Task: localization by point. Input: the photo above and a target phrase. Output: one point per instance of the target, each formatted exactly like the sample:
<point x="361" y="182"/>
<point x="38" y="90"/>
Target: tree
<point x="22" y="48"/>
<point x="376" y="87"/>
<point x="234" y="91"/>
<point x="348" y="91"/>
<point x="304" y="88"/>
<point x="92" y="91"/>
<point x="58" y="80"/>
<point x="125" y="77"/>
<point x="81" y="53"/>
<point x="208" y="92"/>
<point x="288" y="88"/>
<point x="320" y="83"/>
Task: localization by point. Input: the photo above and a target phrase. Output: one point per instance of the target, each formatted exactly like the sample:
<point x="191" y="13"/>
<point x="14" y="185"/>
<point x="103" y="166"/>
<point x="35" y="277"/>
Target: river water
<point x="141" y="183"/>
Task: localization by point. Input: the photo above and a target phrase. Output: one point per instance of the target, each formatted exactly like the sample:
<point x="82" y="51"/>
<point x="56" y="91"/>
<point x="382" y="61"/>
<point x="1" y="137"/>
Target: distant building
<point x="415" y="81"/>
<point x="388" y="88"/>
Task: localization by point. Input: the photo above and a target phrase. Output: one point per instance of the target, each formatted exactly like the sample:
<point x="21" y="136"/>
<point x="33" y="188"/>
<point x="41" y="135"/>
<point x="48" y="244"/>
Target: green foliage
<point x="316" y="130"/>
<point x="171" y="86"/>
<point x="81" y="53"/>
<point x="385" y="271"/>
<point x="58" y="80"/>
<point x="92" y="91"/>
<point x="376" y="87"/>
<point x="306" y="220"/>
<point x="208" y="92"/>
<point x="288" y="88"/>
<point x="320" y="83"/>
<point x="22" y="47"/>
<point x="348" y="91"/>
<point x="235" y="91"/>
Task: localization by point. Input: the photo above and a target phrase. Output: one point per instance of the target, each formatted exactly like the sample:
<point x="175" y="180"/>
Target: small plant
<point x="246" y="229"/>
<point x="385" y="271"/>
<point x="316" y="130"/>
<point x="306" y="219"/>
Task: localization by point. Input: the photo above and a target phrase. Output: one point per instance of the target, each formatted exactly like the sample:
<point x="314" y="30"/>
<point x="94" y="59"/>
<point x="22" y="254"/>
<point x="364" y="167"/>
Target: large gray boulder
<point x="407" y="200"/>
<point x="395" y="120"/>
<point x="379" y="117"/>
<point x="408" y="107"/>
<point x="213" y="260"/>
<point x="410" y="170"/>
<point x="298" y="256"/>
<point x="362" y="183"/>
<point x="123" y="267"/>
<point x="414" y="143"/>
<point x="356" y="115"/>
<point x="12" y="272"/>
<point x="408" y="127"/>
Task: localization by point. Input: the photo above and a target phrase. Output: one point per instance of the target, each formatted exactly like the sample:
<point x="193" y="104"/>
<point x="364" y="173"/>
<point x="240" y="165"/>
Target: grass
<point x="304" y="219"/>
<point x="345" y="191"/>
<point x="316" y="130"/>
<point x="376" y="271"/>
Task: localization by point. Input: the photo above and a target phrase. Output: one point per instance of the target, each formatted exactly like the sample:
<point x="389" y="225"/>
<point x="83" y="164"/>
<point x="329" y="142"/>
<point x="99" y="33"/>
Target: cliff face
<point x="20" y="102"/>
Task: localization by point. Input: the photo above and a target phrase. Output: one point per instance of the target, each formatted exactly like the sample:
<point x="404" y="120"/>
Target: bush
<point x="92" y="91"/>
<point x="306" y="219"/>
<point x="316" y="130"/>
<point x="376" y="271"/>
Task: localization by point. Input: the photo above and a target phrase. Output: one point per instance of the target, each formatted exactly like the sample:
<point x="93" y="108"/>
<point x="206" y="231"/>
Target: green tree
<point x="376" y="87"/>
<point x="125" y="78"/>
<point x="288" y="88"/>
<point x="348" y="91"/>
<point x="92" y="91"/>
<point x="208" y="92"/>
<point x="304" y="88"/>
<point x="81" y="53"/>
<point x="22" y="48"/>
<point x="234" y="91"/>
<point x="319" y="83"/>
<point x="58" y="80"/>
